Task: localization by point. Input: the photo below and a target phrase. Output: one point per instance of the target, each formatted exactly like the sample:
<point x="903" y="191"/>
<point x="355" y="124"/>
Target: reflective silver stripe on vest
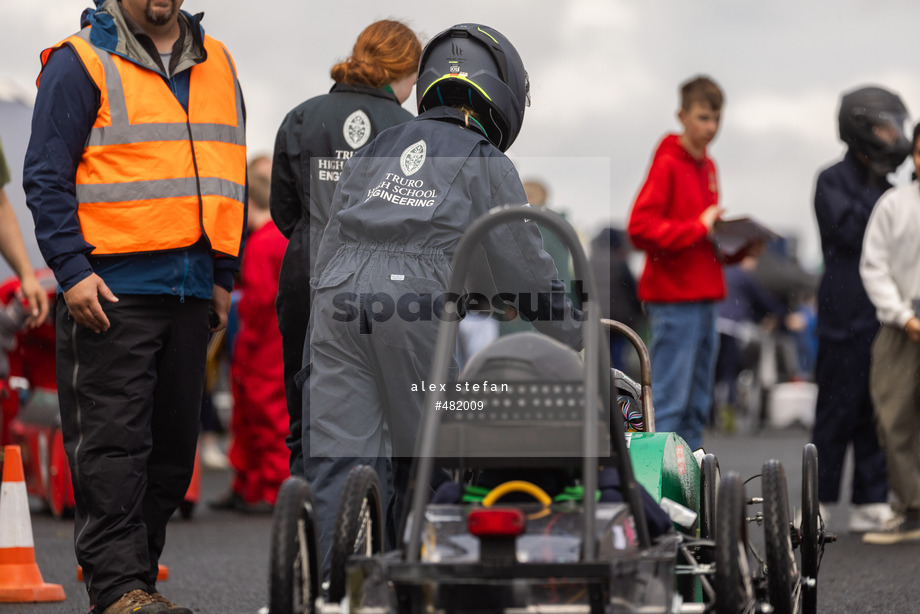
<point x="122" y="132"/>
<point x="159" y="188"/>
<point x="240" y="120"/>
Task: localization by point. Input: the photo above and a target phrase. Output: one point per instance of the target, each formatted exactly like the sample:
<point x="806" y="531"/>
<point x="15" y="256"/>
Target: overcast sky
<point x="604" y="77"/>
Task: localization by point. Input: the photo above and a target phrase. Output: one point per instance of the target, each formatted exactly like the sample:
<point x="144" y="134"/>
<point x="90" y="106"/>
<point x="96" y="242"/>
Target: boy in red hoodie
<point x="682" y="282"/>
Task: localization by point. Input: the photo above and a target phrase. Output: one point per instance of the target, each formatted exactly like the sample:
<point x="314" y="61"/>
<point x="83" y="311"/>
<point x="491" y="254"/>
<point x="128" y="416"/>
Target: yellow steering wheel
<point x="517" y="486"/>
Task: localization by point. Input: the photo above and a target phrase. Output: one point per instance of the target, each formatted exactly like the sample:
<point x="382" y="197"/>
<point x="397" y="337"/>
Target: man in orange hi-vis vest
<point x="136" y="178"/>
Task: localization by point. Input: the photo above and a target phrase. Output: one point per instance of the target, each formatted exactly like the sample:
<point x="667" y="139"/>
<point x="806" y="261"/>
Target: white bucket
<point x="790" y="403"/>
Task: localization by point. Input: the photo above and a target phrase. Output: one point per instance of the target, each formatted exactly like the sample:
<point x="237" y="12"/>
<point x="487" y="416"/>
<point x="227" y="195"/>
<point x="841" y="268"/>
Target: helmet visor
<point x="890" y="128"/>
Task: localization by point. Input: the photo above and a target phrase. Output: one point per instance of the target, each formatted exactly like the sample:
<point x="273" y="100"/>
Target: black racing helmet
<point x="476" y="66"/>
<point x="873" y="122"/>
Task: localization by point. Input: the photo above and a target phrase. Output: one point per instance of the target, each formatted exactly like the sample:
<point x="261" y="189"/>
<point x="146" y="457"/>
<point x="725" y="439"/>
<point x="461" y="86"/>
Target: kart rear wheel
<point x="732" y="582"/>
<point x="782" y="570"/>
<point x="811" y="529"/>
<point x="293" y="584"/>
<point x="358" y="526"/>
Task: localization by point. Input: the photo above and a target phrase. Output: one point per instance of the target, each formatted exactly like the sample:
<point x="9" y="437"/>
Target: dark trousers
<point x="293" y="308"/>
<point x="130" y="403"/>
<point x="844" y="416"/>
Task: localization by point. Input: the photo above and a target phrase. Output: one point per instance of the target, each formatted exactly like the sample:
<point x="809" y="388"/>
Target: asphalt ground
<point x="218" y="561"/>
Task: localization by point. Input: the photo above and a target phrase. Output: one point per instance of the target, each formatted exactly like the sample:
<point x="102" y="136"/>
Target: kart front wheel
<point x="358" y="526"/>
<point x="709" y="487"/>
<point x="812" y="538"/>
<point x="782" y="570"/>
<point x="732" y="582"/>
<point x="294" y="580"/>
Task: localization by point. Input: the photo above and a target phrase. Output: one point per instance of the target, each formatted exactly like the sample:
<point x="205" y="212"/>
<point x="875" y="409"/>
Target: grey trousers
<point x="894" y="383"/>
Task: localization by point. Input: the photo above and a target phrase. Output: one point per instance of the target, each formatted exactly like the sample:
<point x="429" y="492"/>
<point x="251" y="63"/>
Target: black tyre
<point x="811" y="528"/>
<point x="732" y="582"/>
<point x="782" y="570"/>
<point x="293" y="583"/>
<point x="358" y="526"/>
<point x="709" y="487"/>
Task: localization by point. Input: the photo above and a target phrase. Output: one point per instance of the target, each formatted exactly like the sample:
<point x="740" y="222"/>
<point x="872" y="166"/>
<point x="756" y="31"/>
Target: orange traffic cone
<point x="20" y="578"/>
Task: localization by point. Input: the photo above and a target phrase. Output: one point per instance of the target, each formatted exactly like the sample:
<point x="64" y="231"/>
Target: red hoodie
<point x="681" y="263"/>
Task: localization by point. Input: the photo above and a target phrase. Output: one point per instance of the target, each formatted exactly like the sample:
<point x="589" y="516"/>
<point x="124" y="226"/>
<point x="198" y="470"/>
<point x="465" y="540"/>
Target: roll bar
<point x="597" y="361"/>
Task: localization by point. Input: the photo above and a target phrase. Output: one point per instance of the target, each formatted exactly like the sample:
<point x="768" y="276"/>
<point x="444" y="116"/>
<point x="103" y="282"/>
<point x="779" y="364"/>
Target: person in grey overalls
<point x="401" y="205"/>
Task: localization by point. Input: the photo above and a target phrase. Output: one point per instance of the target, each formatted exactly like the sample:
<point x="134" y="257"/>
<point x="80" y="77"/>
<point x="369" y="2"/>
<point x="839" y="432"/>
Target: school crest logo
<point x="357" y="129"/>
<point x="413" y="157"/>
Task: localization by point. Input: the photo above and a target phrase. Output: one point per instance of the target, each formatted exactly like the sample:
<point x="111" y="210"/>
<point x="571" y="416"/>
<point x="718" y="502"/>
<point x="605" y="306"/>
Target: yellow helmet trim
<point x="462" y="78"/>
<point x="489" y="35"/>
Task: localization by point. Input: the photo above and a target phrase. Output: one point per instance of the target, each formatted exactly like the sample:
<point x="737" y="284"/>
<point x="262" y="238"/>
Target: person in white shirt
<point x="890" y="271"/>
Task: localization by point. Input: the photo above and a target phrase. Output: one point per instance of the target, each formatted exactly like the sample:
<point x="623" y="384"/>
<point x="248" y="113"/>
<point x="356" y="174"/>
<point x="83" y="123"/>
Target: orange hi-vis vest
<point x="153" y="177"/>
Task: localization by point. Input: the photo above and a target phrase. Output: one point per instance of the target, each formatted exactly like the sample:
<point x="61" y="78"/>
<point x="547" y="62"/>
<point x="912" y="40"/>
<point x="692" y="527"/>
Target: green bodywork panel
<point x="665" y="466"/>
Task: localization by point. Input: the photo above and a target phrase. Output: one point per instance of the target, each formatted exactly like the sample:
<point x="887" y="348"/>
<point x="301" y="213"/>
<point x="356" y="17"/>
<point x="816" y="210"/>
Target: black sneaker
<point x="233" y="502"/>
<point x="230" y="501"/>
<point x="137" y="602"/>
<point x="900" y="530"/>
<point x="171" y="607"/>
<point x="262" y="507"/>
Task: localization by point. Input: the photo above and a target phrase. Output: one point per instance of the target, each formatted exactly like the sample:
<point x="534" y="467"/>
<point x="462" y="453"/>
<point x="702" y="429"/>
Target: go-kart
<point x="503" y="543"/>
<point x="777" y="573"/>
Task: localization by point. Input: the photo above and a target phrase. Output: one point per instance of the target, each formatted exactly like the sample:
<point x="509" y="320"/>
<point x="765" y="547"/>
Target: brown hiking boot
<point x="136" y="602"/>
<point x="171" y="607"/>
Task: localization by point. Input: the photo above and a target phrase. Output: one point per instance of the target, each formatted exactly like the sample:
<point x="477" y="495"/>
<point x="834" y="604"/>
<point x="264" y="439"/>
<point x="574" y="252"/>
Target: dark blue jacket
<point x="314" y="141"/>
<point x="845" y="195"/>
<point x="52" y="158"/>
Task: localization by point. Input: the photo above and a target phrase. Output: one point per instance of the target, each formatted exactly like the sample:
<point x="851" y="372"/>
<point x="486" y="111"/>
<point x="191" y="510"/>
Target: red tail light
<point x="496" y="522"/>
